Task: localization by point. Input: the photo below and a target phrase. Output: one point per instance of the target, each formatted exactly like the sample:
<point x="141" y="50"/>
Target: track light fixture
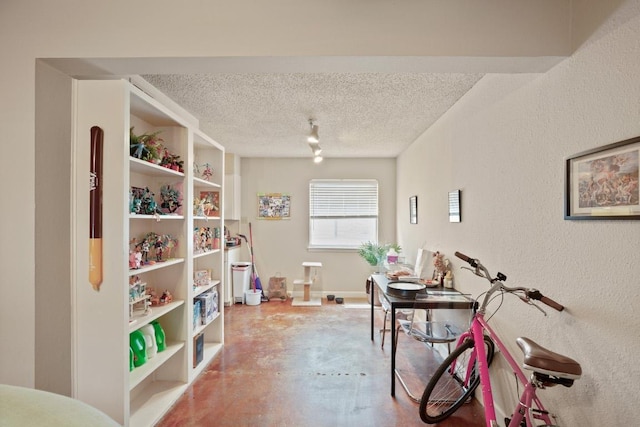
<point x="314" y="142"/>
<point x="315" y="148"/>
<point x="313" y="135"/>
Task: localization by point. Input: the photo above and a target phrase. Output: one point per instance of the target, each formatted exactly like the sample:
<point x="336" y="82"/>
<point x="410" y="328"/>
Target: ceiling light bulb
<point x="317" y="159"/>
<point x="313" y="136"/>
<point x="315" y="148"/>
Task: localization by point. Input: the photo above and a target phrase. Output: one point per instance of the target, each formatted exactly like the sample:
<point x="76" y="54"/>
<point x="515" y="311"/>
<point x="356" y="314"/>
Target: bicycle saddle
<point x="539" y="359"/>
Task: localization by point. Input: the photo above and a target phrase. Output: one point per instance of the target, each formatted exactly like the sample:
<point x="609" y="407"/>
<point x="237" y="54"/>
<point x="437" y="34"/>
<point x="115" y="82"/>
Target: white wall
<point x="53" y="230"/>
<point x="280" y="246"/>
<point x="31" y="29"/>
<point x="504" y="146"/>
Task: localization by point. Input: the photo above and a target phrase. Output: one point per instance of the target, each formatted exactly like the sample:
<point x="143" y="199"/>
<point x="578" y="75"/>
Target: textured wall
<point x="504" y="146"/>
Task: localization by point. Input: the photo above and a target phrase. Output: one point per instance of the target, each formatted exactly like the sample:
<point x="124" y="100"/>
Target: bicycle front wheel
<point x="453" y="383"/>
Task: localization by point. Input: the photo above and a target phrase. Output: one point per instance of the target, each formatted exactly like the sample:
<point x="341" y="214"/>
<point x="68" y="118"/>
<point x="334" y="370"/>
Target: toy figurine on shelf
<point x="208" y="172"/>
<point x="198" y="206"/>
<point x="135" y="199"/>
<point x="159" y="247"/>
<point x="171" y="199"/>
<point x="135" y="255"/>
<point x="202" y="239"/>
<point x="210" y="201"/>
<point x="154" y="299"/>
<point x="151" y="239"/>
<point x="166" y="297"/>
<point x="145" y="250"/>
<point x="132" y="260"/>
<point x="170" y="244"/>
<point x="148" y="204"/>
<point x="138" y="255"/>
<point x="137" y="289"/>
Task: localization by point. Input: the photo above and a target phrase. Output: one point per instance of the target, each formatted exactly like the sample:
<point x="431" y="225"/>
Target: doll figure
<point x="145" y="250"/>
<point x="207" y="173"/>
<point x="159" y="246"/>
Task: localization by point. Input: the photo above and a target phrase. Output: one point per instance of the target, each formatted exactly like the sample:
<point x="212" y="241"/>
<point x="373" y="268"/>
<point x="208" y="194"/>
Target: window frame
<point x="370" y="209"/>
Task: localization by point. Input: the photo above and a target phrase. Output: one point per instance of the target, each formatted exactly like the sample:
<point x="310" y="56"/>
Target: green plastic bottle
<point x="130" y="359"/>
<point x="160" y="338"/>
<point x="139" y="348"/>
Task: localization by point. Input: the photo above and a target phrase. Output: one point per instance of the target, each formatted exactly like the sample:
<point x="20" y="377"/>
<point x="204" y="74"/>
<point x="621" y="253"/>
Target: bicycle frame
<point x="471" y="347"/>
<point x="524" y="409"/>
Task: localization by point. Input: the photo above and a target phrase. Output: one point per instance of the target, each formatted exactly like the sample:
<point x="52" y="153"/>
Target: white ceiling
<point x="358" y="114"/>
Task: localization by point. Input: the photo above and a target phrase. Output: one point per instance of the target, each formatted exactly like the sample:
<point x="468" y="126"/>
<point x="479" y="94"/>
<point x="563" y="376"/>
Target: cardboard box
<point x="216" y="300"/>
<point x="206" y="307"/>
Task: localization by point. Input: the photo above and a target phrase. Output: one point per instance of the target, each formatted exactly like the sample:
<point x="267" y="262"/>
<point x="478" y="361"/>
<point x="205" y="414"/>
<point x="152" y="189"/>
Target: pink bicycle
<point x="467" y="366"/>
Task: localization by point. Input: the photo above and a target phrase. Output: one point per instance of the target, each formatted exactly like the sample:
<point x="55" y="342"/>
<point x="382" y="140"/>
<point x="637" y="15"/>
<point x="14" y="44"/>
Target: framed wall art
<point x="413" y="210"/>
<point x="274" y="206"/>
<point x="454" y="206"/>
<point x="602" y="183"/>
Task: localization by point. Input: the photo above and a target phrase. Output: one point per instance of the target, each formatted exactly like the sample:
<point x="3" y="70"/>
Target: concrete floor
<point x="307" y="367"/>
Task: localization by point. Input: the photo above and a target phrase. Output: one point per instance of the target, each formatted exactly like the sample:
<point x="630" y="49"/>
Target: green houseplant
<point x="146" y="146"/>
<point x="375" y="253"/>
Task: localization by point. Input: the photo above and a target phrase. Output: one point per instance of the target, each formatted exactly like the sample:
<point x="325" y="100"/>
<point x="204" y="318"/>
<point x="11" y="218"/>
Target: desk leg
<point x="393" y="351"/>
<point x="371" y="285"/>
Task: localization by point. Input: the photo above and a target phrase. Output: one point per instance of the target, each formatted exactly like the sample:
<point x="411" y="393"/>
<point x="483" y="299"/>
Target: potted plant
<point x="146" y="146"/>
<point x="375" y="253"/>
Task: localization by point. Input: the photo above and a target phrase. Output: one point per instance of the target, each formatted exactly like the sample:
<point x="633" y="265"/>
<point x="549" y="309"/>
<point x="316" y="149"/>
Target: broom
<point x="255" y="279"/>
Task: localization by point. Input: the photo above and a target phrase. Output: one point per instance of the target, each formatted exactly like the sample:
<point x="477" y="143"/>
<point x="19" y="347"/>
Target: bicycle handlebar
<point x="537" y="295"/>
<point x="530" y="293"/>
<point x="466" y="258"/>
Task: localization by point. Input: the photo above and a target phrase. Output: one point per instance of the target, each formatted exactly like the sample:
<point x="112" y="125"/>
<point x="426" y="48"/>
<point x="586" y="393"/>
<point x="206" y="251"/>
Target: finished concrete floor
<point x="291" y="366"/>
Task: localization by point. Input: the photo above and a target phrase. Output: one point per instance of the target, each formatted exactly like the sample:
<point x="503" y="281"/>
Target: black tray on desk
<point x="405" y="289"/>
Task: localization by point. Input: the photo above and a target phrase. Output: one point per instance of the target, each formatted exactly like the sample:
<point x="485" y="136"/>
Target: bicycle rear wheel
<point x="453" y="383"/>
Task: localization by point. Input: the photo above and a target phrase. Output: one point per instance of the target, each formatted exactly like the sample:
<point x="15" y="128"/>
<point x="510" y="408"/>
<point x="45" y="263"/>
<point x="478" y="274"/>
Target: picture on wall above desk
<point x="454" y="206"/>
<point x="274" y="206"/>
<point x="602" y="183"/>
<point x="413" y="210"/>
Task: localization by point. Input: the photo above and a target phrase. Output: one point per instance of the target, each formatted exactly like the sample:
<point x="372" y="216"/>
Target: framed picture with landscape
<point x="602" y="183"/>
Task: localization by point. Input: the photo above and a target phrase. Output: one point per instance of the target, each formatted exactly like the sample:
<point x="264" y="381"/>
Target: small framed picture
<point x="413" y="210"/>
<point x="602" y="183"/>
<point x="454" y="206"/>
<point x="274" y="206"/>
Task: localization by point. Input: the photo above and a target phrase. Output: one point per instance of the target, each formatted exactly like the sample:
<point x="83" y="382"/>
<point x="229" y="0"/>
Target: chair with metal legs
<point x="400" y="314"/>
<point x="387" y="308"/>
<point x="420" y="326"/>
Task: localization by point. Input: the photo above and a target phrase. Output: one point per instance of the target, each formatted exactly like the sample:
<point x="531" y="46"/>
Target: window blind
<point x="343" y="198"/>
<point x="342" y="213"/>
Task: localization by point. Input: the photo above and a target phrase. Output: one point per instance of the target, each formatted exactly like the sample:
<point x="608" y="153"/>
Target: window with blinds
<point x="342" y="213"/>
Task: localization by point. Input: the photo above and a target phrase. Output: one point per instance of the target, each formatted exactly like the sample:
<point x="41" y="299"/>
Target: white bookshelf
<point x="101" y="323"/>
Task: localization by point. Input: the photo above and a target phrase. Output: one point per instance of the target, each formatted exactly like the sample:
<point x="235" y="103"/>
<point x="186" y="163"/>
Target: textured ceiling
<point x="358" y="114"/>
